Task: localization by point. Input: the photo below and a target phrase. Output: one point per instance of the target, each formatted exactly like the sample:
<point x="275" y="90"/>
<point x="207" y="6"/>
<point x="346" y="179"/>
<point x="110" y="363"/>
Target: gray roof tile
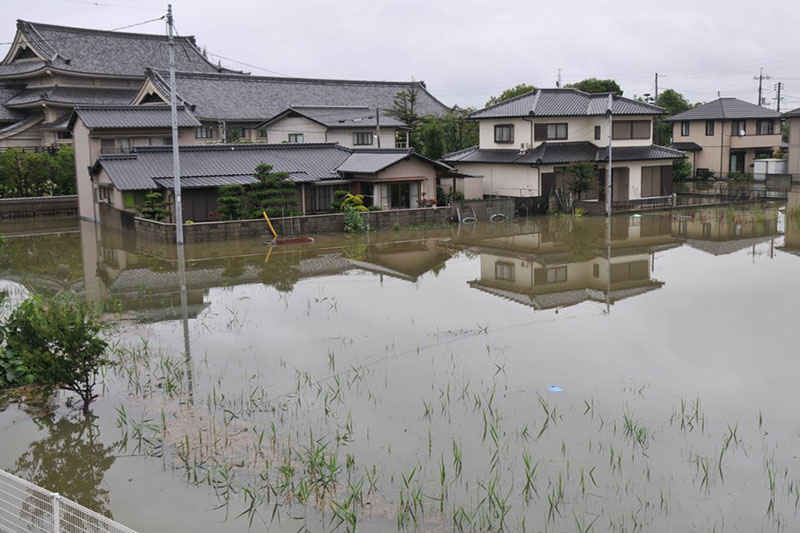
<point x="141" y="169"/>
<point x="686" y="146"/>
<point x="106" y="52"/>
<point x="129" y="116"/>
<point x="373" y="161"/>
<point x="259" y="98"/>
<point x="566" y="152"/>
<point x="563" y="103"/>
<point x="7" y="92"/>
<point x="340" y="116"/>
<point x="72" y="95"/>
<point x="725" y="109"/>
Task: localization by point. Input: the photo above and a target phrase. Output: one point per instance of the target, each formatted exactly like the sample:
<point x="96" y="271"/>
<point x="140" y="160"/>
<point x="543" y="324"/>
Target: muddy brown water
<point x="531" y="375"/>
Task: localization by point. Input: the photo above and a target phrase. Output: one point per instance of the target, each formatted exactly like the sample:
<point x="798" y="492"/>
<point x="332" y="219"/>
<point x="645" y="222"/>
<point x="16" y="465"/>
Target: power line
<point x="248" y="64"/>
<point x="56" y="39"/>
<point x="102" y="4"/>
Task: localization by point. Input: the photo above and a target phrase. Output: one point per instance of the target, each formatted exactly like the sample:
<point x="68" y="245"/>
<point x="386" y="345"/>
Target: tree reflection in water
<point x="70" y="460"/>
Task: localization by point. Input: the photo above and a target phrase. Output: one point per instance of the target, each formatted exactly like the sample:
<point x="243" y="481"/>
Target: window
<point x="709" y="128"/>
<point x="204" y="132"/>
<point x="597" y="133"/>
<point x="631" y="129"/>
<point x="504" y="271"/>
<point x="115" y="146"/>
<point x="765" y="127"/>
<point x="105" y="194"/>
<point x="763" y="154"/>
<point x="550" y="132"/>
<point x="504" y="133"/>
<point x="262" y="133"/>
<point x="738" y="127"/>
<point x="684" y="128"/>
<point x="362" y="138"/>
<point x="557" y="275"/>
<point x="160" y="141"/>
<point x="295" y="138"/>
<point x="236" y="133"/>
<point x="64" y="135"/>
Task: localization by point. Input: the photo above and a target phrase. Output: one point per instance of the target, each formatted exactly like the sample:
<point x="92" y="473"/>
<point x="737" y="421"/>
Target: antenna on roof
<point x="558" y="83"/>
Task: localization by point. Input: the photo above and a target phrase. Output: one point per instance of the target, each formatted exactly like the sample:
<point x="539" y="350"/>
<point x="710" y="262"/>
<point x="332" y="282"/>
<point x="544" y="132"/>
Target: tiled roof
<point x="141" y="169"/>
<point x="340" y="116"/>
<point x="212" y="165"/>
<point x="23" y="67"/>
<point x="564" y="103"/>
<point x="686" y="146"/>
<point x="259" y="98"/>
<point x="792" y="113"/>
<point x="20" y="125"/>
<point x="72" y="96"/>
<point x="566" y="152"/>
<point x="7" y="92"/>
<point x="104" y="52"/>
<point x="373" y="161"/>
<point x="129" y="116"/>
<point x="725" y="109"/>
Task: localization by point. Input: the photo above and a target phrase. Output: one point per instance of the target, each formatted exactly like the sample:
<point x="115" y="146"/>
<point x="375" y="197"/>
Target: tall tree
<point x="274" y="193"/>
<point x="404" y="109"/>
<point x="508" y="94"/>
<point x="673" y="103"/>
<point x="594" y="85"/>
<point x="434" y="144"/>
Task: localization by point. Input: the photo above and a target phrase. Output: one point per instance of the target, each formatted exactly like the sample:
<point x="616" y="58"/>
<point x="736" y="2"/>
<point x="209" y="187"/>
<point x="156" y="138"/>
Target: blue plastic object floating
<point x="554" y="388"/>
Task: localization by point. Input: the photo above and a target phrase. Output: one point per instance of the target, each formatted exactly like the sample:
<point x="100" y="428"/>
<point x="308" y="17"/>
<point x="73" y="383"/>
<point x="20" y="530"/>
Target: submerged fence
<point x="26" y="508"/>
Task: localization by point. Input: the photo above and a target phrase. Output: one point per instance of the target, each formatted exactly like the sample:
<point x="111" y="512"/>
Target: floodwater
<point x="533" y="375"/>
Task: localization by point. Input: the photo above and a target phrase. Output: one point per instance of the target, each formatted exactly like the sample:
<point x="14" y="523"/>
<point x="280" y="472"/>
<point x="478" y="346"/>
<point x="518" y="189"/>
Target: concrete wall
<point x="314" y="132"/>
<point x="311" y="224"/>
<point x="794" y="146"/>
<point x="42" y="206"/>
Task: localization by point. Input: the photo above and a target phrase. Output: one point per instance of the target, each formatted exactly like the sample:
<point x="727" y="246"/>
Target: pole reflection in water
<point x="608" y="265"/>
<point x="187" y="354"/>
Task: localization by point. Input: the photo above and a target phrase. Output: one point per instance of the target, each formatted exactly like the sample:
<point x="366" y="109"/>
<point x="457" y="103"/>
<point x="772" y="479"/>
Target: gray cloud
<point x="469" y="50"/>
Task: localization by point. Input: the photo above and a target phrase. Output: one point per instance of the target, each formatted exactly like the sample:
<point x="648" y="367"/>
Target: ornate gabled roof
<point x="565" y="103"/>
<point x="259" y="98"/>
<point x="7" y="92"/>
<point x="89" y="51"/>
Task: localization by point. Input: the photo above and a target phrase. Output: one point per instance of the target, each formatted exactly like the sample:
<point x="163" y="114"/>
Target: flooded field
<point x="546" y="374"/>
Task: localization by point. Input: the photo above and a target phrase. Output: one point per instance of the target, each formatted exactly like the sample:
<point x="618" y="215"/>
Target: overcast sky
<point x="468" y="50"/>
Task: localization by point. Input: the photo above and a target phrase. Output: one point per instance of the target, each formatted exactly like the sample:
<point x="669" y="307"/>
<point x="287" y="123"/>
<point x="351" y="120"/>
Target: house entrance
<point x="737" y="162"/>
<point x="400" y="195"/>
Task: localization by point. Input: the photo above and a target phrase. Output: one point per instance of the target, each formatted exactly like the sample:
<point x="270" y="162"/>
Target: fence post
<point x="56" y="513"/>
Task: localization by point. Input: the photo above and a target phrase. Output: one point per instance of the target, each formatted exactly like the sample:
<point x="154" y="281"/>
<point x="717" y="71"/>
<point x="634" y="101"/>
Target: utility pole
<point x="760" y="79"/>
<point x="608" y="169"/>
<point x="656" y="100"/>
<point x="378" y="124"/>
<point x="176" y="161"/>
<point x="778" y="87"/>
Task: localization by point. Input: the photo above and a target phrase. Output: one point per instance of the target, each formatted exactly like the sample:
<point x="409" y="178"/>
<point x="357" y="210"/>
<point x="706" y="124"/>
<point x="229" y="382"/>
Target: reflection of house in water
<point x="724" y="231"/>
<point x="145" y="282"/>
<point x="555" y="267"/>
<point x="406" y="260"/>
<point x="791" y="241"/>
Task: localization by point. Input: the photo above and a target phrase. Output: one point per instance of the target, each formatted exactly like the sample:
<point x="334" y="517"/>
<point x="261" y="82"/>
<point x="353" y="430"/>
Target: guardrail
<point x="27" y="508"/>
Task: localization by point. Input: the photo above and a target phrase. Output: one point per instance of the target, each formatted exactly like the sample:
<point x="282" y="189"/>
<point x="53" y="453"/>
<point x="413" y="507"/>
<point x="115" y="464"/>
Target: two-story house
<point x="793" y="163"/>
<point x="106" y="130"/>
<point x="724" y="136"/>
<point x="527" y="143"/>
<point x="351" y="126"/>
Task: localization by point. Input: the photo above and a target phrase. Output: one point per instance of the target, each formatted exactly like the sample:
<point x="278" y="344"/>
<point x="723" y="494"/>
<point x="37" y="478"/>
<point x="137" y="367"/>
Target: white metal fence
<point x="26" y="508"/>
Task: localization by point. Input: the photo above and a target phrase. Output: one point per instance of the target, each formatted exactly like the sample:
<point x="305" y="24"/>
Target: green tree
<point x="508" y="94"/>
<point x="63" y="170"/>
<point x="70" y="458"/>
<point x="594" y="85"/>
<point x="673" y="103"/>
<point x="231" y="202"/>
<point x="404" y="109"/>
<point x="432" y="137"/>
<point x="274" y="193"/>
<point x="155" y="207"/>
<point x="25" y="174"/>
<point x="582" y="177"/>
<point x="61" y="342"/>
<point x="681" y="170"/>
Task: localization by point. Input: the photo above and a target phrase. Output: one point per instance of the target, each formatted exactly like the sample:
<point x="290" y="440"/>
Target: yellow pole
<point x="274" y="235"/>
